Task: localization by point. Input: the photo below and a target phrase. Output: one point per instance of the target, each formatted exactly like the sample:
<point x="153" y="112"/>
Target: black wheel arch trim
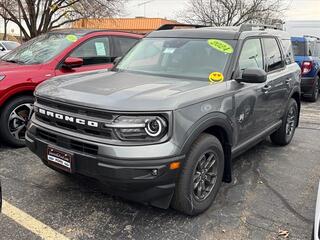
<point x="213" y="120"/>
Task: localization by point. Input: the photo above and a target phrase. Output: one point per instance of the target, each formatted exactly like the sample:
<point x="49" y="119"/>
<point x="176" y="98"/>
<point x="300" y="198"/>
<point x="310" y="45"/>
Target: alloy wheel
<point x="291" y="121"/>
<point x="18" y="120"/>
<point x="205" y="175"/>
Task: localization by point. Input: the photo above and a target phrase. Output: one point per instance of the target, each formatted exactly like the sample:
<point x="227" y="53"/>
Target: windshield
<point x="299" y="48"/>
<point x="40" y="49"/>
<point x="179" y="57"/>
<point x="10" y="45"/>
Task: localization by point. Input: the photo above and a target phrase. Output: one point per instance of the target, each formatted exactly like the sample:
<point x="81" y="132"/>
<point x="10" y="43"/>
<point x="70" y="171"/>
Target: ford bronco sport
<point x="164" y="125"/>
<point x="307" y="54"/>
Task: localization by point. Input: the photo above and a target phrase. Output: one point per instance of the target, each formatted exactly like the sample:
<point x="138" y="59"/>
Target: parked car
<point x="52" y="54"/>
<point x="7" y="46"/>
<point x="307" y="55"/>
<point x="163" y="126"/>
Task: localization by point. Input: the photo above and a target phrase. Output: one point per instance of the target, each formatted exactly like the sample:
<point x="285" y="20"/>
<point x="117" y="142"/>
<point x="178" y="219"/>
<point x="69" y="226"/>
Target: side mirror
<point x="253" y="75"/>
<point x="72" y="62"/>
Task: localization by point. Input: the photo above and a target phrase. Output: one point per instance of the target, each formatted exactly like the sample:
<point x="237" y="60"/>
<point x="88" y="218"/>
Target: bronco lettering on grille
<point x="68" y="118"/>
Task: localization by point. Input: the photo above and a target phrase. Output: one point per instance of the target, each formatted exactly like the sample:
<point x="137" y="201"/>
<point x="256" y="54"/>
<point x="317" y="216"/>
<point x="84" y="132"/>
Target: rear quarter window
<point x="299" y="48"/>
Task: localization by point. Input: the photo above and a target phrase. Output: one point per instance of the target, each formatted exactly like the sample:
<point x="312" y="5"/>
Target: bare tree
<point x="233" y="12"/>
<point x="39" y="16"/>
<point x="5" y="16"/>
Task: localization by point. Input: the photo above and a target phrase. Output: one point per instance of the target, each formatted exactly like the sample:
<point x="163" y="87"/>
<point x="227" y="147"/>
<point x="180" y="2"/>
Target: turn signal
<point x="174" y="165"/>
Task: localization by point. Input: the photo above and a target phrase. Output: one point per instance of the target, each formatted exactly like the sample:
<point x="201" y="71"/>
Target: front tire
<point x="285" y="133"/>
<point x="14" y="118"/>
<point x="200" y="177"/>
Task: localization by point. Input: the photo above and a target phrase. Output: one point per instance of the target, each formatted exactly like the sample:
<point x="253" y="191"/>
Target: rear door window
<point x="288" y="51"/>
<point x="311" y="48"/>
<point x="123" y="44"/>
<point x="273" y="54"/>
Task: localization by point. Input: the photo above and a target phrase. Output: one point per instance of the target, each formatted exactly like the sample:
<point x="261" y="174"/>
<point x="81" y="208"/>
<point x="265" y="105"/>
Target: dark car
<point x="52" y="54"/>
<point x="307" y="55"/>
<point x="164" y="125"/>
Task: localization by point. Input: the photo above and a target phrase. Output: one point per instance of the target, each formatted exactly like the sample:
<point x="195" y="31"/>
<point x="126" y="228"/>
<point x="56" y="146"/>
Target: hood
<point x="13" y="67"/>
<point x="123" y="91"/>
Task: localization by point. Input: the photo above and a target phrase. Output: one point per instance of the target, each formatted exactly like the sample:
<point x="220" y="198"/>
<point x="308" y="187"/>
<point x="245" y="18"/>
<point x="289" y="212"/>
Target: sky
<point x="298" y="9"/>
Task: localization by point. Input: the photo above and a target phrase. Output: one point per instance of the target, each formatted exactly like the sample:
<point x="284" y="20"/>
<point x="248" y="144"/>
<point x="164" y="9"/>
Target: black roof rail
<point x="172" y="26"/>
<point x="261" y="27"/>
<point x="309" y="36"/>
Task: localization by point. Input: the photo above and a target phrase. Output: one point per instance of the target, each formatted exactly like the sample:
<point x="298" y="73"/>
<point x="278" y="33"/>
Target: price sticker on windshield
<point x="71" y="38"/>
<point x="221" y="46"/>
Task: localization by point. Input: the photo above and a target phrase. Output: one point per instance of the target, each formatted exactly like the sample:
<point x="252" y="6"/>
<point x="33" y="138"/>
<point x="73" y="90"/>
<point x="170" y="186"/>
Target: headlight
<point x="140" y="128"/>
<point x="2" y="77"/>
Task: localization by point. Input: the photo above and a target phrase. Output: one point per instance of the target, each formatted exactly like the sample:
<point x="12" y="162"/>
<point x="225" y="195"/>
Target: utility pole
<point x="144" y="4"/>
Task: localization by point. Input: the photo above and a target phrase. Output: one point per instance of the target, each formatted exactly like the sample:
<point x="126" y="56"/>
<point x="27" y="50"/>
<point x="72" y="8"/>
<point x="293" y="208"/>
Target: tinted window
<point x="123" y="45"/>
<point x="273" y="54"/>
<point x="317" y="51"/>
<point x="311" y="48"/>
<point x="299" y="48"/>
<point x="287" y="47"/>
<point x="94" y="51"/>
<point x="251" y="55"/>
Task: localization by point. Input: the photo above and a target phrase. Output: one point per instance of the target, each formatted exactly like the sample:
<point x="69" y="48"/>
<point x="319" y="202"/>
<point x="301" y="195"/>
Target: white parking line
<point x="30" y="223"/>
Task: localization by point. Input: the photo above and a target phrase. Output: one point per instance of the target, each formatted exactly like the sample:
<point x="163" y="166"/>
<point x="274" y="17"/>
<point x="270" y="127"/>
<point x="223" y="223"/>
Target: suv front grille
<point x="67" y="143"/>
<point x="100" y="132"/>
<point x="77" y="109"/>
<point x="97" y="115"/>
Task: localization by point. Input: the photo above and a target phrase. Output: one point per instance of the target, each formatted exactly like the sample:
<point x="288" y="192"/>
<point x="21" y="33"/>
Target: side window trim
<point x="281" y="53"/>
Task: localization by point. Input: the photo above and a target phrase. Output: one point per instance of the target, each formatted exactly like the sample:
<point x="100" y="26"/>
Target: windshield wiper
<point x="13" y="61"/>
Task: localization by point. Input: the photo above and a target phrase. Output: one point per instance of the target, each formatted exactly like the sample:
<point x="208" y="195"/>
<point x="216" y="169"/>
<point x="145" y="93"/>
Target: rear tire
<point x="14" y="117"/>
<point x="285" y="133"/>
<point x="315" y="94"/>
<point x="200" y="177"/>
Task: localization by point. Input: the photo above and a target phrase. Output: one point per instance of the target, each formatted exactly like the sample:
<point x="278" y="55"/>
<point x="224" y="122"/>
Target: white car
<point x="7" y="46"/>
<point x="316" y="232"/>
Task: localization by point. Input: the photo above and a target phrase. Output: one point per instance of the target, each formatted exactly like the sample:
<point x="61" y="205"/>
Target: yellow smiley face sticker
<point x="220" y="46"/>
<point x="216" y="77"/>
<point x="71" y="38"/>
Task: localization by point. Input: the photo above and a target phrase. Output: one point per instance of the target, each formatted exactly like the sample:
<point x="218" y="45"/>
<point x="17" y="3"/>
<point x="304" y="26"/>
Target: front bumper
<point x="132" y="178"/>
<point x="307" y="85"/>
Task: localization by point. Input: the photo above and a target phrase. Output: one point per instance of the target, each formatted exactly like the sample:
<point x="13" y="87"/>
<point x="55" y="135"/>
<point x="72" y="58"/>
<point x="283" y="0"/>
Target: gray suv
<point x="163" y="126"/>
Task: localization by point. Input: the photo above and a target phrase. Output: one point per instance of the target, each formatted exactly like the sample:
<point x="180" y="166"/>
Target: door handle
<point x="266" y="88"/>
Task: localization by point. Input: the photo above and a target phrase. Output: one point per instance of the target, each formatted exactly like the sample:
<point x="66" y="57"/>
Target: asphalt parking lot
<point x="273" y="191"/>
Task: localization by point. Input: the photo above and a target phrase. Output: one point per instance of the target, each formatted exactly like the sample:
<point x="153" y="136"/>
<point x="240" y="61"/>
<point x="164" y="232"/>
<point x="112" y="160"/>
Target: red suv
<point x="52" y="54"/>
